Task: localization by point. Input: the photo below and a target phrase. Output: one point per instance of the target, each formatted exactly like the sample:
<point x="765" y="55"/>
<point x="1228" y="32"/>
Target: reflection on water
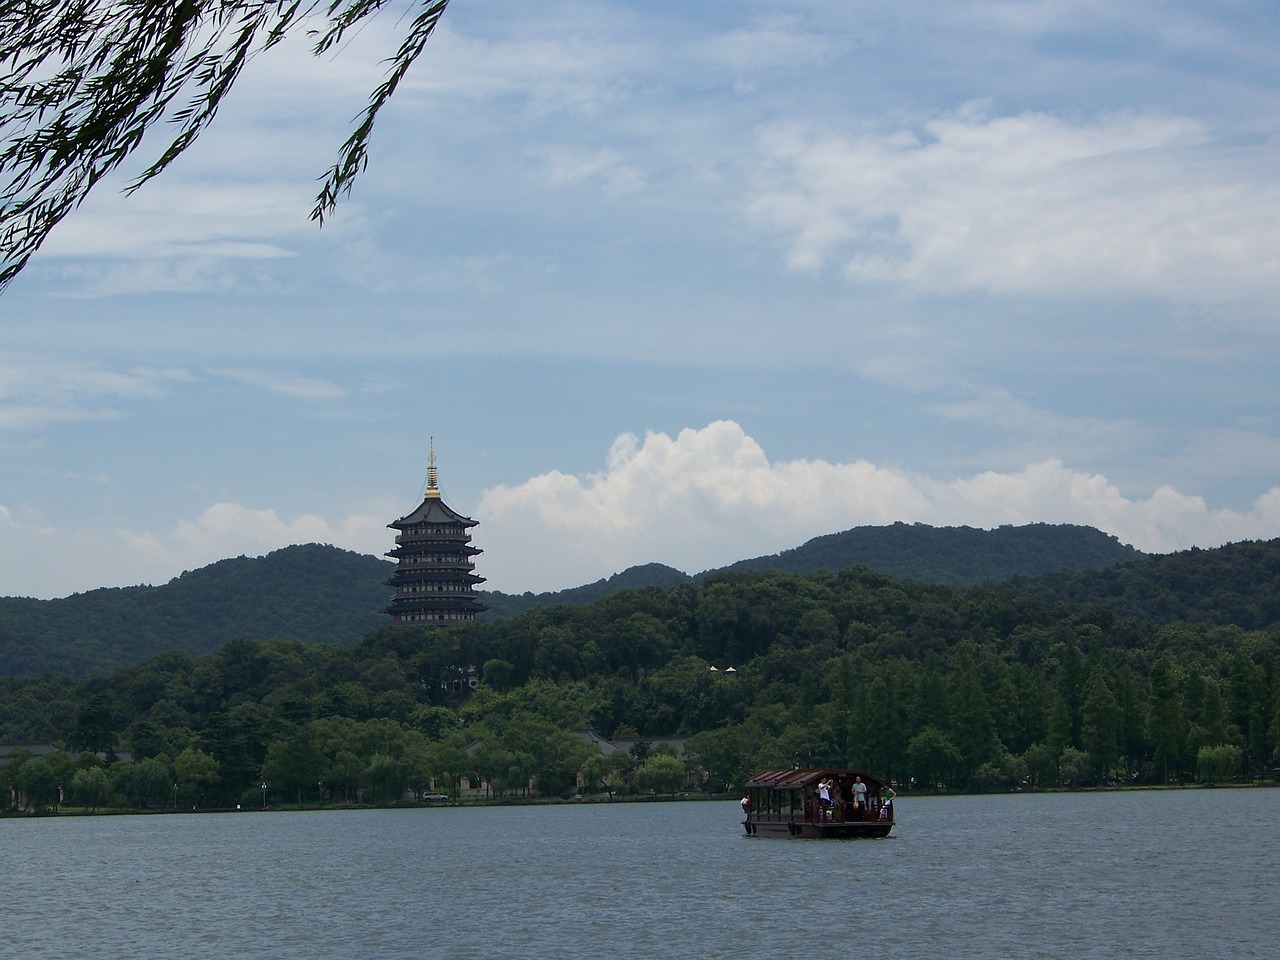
<point x="1116" y="875"/>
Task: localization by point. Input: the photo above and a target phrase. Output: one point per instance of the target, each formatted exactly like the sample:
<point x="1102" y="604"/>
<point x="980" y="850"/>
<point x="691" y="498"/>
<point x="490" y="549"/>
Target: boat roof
<point x="796" y="778"/>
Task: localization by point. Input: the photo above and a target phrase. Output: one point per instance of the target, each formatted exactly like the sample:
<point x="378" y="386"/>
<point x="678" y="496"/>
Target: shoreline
<point x="592" y="799"/>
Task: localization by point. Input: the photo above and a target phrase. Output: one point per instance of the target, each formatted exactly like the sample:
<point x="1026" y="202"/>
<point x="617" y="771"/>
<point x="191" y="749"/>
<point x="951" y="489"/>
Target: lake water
<point x="1116" y="875"/>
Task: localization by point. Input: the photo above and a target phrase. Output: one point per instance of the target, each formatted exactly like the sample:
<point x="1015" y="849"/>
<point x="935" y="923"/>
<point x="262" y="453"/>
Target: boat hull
<point x="791" y="829"/>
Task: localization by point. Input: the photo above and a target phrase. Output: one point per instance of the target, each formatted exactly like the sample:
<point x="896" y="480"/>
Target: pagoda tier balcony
<point x="445" y="543"/>
<point x="433" y="548"/>
<point x="435" y="536"/>
<point x="419" y="618"/>
<point x="397" y="607"/>
<point x="421" y="557"/>
<point x="452" y="588"/>
<point x="434" y="574"/>
<point x="434" y="586"/>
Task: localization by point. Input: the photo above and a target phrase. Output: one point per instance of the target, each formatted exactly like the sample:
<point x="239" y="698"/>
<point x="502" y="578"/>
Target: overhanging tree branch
<point x="86" y="79"/>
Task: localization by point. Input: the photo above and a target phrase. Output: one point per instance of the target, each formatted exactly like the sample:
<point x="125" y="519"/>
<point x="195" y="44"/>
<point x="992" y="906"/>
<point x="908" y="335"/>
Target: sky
<point x="673" y="282"/>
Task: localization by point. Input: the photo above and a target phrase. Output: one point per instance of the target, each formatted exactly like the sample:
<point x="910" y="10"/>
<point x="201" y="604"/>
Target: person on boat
<point x="837" y="800"/>
<point x="824" y="799"/>
<point x="859" y="797"/>
<point x="746" y="804"/>
<point x="886" y="802"/>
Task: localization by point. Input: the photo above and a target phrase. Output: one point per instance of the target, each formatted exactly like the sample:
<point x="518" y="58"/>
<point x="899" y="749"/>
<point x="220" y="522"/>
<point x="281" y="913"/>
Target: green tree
<point x="499" y="674"/>
<point x="344" y="775"/>
<point x="1100" y="724"/>
<point x="972" y="728"/>
<point x="1166" y="724"/>
<point x="196" y="773"/>
<point x="661" y="774"/>
<point x="933" y="758"/>
<point x="727" y="756"/>
<point x="91" y="788"/>
<point x="94" y="726"/>
<point x="1219" y="763"/>
<point x="600" y="772"/>
<point x="561" y="757"/>
<point x="87" y="80"/>
<point x="145" y="784"/>
<point x="386" y="778"/>
<point x="1076" y="768"/>
<point x="37" y="784"/>
<point x="295" y="765"/>
<point x="1248" y="703"/>
<point x="447" y="762"/>
<point x="1005" y="772"/>
<point x="1041" y="762"/>
<point x="491" y="763"/>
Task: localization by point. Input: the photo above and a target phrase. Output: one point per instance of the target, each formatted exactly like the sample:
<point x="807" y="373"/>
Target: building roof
<point x="800" y="777"/>
<point x="434" y="510"/>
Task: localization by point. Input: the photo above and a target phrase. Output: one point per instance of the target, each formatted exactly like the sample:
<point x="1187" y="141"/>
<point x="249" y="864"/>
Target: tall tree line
<point x="934" y="687"/>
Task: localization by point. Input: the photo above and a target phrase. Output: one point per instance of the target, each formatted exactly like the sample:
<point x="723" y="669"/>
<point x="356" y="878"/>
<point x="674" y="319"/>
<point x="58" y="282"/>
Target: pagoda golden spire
<point x="432" y="491"/>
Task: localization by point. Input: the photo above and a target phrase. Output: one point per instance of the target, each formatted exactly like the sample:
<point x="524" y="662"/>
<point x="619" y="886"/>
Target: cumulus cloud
<point x="703" y="498"/>
<point x="33" y="555"/>
<point x="1126" y="204"/>
<point x="710" y="496"/>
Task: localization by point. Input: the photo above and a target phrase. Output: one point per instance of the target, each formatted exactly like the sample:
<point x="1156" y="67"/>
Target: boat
<point x="795" y="803"/>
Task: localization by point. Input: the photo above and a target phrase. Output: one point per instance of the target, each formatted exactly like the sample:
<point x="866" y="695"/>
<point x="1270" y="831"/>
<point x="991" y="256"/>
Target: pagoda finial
<point x="432" y="490"/>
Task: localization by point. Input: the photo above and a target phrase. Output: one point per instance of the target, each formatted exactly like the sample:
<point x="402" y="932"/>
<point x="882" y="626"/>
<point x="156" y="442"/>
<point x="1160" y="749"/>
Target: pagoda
<point x="433" y="580"/>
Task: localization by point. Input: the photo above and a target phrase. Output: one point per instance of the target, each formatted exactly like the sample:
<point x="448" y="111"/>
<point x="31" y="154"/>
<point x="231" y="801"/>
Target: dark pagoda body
<point x="434" y="581"/>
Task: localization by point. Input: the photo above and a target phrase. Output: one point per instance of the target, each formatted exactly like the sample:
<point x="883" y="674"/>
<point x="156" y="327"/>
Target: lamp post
<point x="264" y="796"/>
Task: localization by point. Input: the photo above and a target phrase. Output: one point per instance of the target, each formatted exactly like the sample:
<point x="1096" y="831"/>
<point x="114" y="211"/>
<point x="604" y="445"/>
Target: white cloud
<point x="709" y="497"/>
<point x="45" y="561"/>
<point x="36" y="391"/>
<point x="1129" y="204"/>
<point x="770" y="41"/>
<point x="568" y="165"/>
<point x="302" y="388"/>
<point x="176" y="216"/>
<point x="701" y="499"/>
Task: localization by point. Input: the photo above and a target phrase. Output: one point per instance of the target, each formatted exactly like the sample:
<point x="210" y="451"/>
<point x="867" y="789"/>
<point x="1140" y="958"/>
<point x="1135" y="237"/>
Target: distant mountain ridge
<point x="953" y="556"/>
<point x="633" y="578"/>
<point x="323" y="594"/>
<point x="949" y="556"/>
<point x="306" y="592"/>
<point x="1237" y="584"/>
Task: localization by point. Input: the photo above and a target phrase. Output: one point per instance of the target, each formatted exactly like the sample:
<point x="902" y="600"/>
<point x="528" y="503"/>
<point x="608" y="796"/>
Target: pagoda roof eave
<point x="434" y="510"/>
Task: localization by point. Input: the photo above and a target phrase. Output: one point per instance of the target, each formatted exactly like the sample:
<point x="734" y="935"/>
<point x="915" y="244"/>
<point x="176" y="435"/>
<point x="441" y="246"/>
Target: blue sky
<point x="674" y="282"/>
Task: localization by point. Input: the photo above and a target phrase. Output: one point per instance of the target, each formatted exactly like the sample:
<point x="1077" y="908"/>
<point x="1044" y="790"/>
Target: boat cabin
<point x="817" y="802"/>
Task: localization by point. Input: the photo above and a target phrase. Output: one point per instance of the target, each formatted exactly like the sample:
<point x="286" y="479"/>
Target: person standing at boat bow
<point x="824" y="799"/>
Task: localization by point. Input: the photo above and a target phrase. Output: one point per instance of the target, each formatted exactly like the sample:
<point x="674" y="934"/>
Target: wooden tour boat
<point x="817" y="802"/>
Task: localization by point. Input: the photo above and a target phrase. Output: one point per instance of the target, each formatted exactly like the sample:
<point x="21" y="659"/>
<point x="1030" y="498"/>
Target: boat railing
<point x="848" y="813"/>
<point x="811" y="813"/>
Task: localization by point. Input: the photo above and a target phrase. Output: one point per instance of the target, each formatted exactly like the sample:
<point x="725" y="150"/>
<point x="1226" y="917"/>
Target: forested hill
<point x="323" y="594"/>
<point x="310" y="592"/>
<point x="950" y="556"/>
<point x="633" y="578"/>
<point x="953" y="556"/>
<point x="974" y="688"/>
<point x="1238" y="584"/>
